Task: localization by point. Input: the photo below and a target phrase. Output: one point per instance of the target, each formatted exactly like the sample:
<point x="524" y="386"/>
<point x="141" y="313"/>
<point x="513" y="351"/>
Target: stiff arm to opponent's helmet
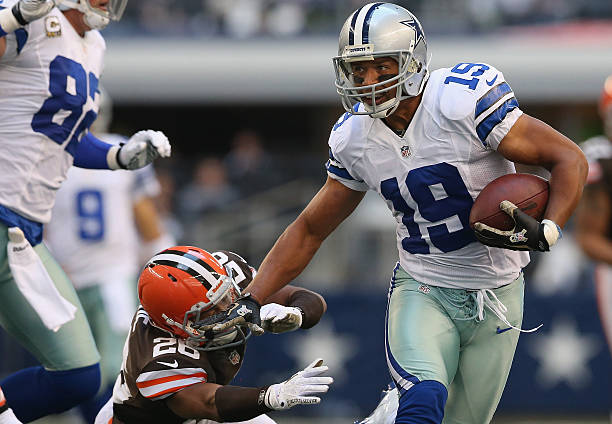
<point x="381" y="30"/>
<point x="183" y="285"/>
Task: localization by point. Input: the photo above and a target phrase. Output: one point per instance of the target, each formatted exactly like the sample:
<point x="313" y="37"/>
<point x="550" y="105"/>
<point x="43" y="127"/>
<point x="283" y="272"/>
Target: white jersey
<point x="430" y="176"/>
<point x="48" y="98"/>
<point x="92" y="233"/>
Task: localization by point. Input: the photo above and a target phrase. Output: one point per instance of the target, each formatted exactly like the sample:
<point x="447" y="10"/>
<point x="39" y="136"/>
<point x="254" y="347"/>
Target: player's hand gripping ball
<point x="508" y="211"/>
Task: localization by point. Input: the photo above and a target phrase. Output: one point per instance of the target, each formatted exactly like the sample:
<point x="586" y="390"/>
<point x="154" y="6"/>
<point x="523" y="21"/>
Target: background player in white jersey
<point x="172" y="372"/>
<point x="594" y="213"/>
<point x="428" y="144"/>
<point x="108" y="217"/>
<point x="50" y="66"/>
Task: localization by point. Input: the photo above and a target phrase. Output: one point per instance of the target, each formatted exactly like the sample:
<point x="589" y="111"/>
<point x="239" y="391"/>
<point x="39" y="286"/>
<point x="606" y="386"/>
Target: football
<point x="528" y="192"/>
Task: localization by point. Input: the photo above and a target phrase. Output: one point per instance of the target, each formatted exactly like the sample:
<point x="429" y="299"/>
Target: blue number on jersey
<point x="90" y="212"/>
<point x="68" y="85"/>
<point x="457" y="202"/>
<point x="463" y="68"/>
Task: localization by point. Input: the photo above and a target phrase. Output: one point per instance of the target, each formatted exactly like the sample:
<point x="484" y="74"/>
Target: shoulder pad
<point x="467" y="88"/>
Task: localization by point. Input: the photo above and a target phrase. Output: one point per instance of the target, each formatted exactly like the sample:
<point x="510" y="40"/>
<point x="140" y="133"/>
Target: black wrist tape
<point x="236" y="403"/>
<point x="311" y="306"/>
<point x="17" y="14"/>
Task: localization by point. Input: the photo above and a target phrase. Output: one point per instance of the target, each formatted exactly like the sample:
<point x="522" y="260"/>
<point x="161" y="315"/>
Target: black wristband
<point x="310" y="305"/>
<point x="236" y="403"/>
<point x="121" y="165"/>
<point x="17" y="14"/>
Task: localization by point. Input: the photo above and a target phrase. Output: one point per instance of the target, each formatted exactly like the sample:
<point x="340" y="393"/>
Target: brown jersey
<point x="156" y="365"/>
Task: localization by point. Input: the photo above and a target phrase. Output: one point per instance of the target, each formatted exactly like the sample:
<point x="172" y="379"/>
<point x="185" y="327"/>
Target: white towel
<point x="34" y="282"/>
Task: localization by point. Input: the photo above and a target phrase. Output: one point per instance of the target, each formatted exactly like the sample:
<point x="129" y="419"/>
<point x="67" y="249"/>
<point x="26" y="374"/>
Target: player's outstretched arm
<point x="291" y="308"/>
<point x="296" y="247"/>
<point x="140" y="150"/>
<point x="293" y="250"/>
<point x="234" y="403"/>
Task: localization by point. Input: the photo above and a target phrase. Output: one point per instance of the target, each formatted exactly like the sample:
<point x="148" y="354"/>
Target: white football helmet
<point x="94" y="17"/>
<point x="381" y="30"/>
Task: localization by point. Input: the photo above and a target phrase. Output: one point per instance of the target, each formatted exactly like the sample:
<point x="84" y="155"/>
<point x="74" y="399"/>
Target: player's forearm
<point x="219" y="403"/>
<point x="93" y="153"/>
<point x="293" y="250"/>
<point x="568" y="177"/>
<point x="596" y="246"/>
<point x="311" y="304"/>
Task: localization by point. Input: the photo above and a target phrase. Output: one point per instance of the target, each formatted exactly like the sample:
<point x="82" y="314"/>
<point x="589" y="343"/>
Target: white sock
<point x="8" y="417"/>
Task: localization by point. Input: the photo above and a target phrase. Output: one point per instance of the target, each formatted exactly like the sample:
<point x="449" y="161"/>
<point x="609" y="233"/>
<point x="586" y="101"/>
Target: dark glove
<point x="527" y="234"/>
<point x="244" y="312"/>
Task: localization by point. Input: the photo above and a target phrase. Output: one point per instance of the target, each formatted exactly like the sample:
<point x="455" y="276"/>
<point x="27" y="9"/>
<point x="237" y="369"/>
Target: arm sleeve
<point x="340" y="156"/>
<point x="487" y="110"/>
<point x="157" y="383"/>
<point x="93" y="153"/>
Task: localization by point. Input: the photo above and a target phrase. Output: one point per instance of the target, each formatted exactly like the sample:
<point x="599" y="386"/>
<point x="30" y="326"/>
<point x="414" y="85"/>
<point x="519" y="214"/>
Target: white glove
<point x="297" y="389"/>
<point x="22" y="13"/>
<point x="140" y="150"/>
<point x="277" y="318"/>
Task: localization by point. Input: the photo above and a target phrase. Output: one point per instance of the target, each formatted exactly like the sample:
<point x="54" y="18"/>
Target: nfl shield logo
<point x="405" y="151"/>
<point x="234" y="357"/>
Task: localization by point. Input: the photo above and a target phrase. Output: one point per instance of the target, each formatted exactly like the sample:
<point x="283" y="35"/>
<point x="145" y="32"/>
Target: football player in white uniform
<point x="173" y="372"/>
<point x="594" y="213"/>
<point x="50" y="65"/>
<point x="428" y="143"/>
<point x="97" y="214"/>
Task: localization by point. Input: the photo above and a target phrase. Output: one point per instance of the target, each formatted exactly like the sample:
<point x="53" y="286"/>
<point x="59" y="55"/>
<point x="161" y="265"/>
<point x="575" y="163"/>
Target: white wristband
<point x="111" y="158"/>
<point x="552" y="232"/>
<point x="8" y="22"/>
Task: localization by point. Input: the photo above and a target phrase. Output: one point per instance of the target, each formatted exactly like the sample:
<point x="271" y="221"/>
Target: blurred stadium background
<point x="244" y="90"/>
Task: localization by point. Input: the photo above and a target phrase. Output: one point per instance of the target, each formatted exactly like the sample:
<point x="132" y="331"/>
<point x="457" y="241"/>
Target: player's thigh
<point x="108" y="339"/>
<point x="72" y="346"/>
<point x="422" y="341"/>
<point x="485" y="361"/>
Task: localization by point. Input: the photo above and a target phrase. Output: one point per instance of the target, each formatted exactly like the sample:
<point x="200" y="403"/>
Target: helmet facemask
<point x="95" y="17"/>
<point x="351" y="93"/>
<point x="373" y="31"/>
<point x="222" y="295"/>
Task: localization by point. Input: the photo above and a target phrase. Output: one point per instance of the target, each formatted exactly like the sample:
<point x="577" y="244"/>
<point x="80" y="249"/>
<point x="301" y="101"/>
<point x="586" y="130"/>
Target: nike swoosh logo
<point x="175" y="363"/>
<point x="490" y="83"/>
<point x="501" y="330"/>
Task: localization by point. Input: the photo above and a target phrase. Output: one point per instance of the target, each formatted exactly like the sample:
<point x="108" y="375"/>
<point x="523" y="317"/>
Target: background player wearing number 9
<point x="428" y="144"/>
<point x="50" y="65"/>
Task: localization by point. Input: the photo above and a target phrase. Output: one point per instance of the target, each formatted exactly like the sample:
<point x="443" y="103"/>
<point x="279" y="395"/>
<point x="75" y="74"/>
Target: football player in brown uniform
<point x="173" y="372"/>
<point x="594" y="213"/>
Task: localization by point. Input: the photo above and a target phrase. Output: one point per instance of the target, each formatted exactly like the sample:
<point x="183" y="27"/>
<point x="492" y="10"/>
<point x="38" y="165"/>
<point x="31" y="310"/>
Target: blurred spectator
<point x="250" y="168"/>
<point x="210" y="190"/>
<point x="244" y="19"/>
<point x="166" y="201"/>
